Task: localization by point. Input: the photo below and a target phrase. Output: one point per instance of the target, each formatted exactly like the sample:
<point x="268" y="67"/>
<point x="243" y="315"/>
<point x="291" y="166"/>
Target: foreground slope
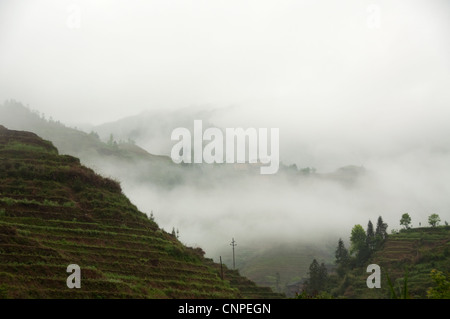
<point x="55" y="212"/>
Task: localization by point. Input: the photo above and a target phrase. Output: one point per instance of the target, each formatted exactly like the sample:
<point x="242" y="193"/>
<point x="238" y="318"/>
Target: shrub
<point x="8" y="201"/>
<point x="69" y="204"/>
<point x="77" y="186"/>
<point x="50" y="203"/>
<point x="442" y="288"/>
<point x="3" y="292"/>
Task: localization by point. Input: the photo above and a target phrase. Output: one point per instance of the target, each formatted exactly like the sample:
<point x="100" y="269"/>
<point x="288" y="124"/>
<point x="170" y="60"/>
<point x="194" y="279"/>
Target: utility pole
<point x="221" y="268"/>
<point x="233" y="244"/>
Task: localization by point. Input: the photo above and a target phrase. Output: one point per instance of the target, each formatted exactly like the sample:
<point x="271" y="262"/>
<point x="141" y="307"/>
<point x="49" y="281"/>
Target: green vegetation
<point x="15" y="146"/>
<point x="88" y="147"/>
<point x="55" y="212"/>
<point x="342" y="258"/>
<point x="415" y="263"/>
<point x="442" y="285"/>
<point x="380" y="232"/>
<point x="405" y="221"/>
<point x="434" y="220"/>
<point x="359" y="246"/>
<point x="402" y="292"/>
<point x="318" y="276"/>
<point x="11" y="201"/>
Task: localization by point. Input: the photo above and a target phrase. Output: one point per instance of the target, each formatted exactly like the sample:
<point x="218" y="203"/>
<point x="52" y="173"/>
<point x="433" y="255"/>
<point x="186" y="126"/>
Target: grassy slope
<point x="416" y="252"/>
<point x="54" y="212"/>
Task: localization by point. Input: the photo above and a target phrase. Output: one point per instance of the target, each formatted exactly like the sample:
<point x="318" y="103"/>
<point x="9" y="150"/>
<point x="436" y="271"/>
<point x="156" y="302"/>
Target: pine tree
<point x="318" y="276"/>
<point x="381" y="229"/>
<point x="380" y="232"/>
<point x="313" y="284"/>
<point x="323" y="277"/>
<point x="341" y="253"/>
<point x="342" y="258"/>
<point x="370" y="236"/>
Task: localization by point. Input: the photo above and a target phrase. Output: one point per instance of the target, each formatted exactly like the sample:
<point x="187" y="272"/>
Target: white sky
<point x="318" y="70"/>
<point x="283" y="58"/>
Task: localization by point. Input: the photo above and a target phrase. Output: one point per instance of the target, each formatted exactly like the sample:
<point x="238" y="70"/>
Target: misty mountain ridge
<point x="152" y="129"/>
<point x="210" y="204"/>
<point x="121" y="140"/>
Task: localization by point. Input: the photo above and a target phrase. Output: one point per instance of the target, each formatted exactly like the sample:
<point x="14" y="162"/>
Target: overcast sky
<point x="96" y="61"/>
<point x="342" y="75"/>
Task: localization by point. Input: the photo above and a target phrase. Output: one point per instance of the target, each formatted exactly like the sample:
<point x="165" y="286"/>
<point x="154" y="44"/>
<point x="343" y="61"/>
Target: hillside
<point x="122" y="158"/>
<point x="144" y="175"/>
<point x="414" y="252"/>
<point x="93" y="152"/>
<point x="55" y="212"/>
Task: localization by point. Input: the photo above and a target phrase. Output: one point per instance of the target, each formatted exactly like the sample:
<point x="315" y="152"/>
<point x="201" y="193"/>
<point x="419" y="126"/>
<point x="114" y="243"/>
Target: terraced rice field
<point x="55" y="212"/>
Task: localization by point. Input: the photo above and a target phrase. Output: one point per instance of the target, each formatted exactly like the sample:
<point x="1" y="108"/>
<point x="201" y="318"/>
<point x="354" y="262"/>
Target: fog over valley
<point x="358" y="91"/>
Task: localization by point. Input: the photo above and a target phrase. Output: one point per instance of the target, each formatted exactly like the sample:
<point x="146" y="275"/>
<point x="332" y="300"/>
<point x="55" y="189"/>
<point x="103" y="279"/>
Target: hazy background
<point x="336" y="85"/>
<point x="362" y="83"/>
